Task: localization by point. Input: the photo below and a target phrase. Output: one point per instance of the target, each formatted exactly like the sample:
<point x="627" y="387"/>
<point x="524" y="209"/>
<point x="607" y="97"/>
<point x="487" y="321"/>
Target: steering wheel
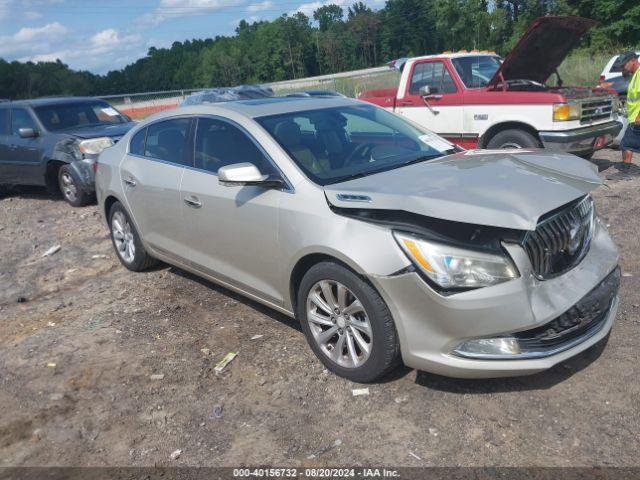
<point x="359" y="153"/>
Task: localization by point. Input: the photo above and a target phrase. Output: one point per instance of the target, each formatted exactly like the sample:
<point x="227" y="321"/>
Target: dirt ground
<point x="100" y="366"/>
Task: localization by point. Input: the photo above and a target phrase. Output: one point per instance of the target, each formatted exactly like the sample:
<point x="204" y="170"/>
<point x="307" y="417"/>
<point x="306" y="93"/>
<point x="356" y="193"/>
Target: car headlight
<point x="94" y="146"/>
<point x="563" y="112"/>
<point x="456" y="268"/>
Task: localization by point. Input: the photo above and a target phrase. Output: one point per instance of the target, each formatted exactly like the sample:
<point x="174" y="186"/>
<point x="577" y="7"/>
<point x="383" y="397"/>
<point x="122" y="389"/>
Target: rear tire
<point x="353" y="308"/>
<point x="69" y="185"/>
<point x="126" y="241"/>
<point x="513" y="138"/>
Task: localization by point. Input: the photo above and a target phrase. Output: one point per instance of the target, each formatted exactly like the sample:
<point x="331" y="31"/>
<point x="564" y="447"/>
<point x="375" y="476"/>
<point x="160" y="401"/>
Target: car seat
<point x="288" y="132"/>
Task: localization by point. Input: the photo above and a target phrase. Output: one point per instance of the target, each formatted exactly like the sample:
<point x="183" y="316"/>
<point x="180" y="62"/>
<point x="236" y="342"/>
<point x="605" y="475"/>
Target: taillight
<point x="95" y="167"/>
<point x="602" y="78"/>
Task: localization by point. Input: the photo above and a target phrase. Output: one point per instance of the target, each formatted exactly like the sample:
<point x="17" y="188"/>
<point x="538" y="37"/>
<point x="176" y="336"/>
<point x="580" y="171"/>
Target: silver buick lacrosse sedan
<point x="388" y="243"/>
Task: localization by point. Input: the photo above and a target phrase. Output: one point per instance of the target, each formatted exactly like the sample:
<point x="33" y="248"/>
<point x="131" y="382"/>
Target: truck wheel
<point x="347" y="324"/>
<point x="126" y="241"/>
<point x="69" y="184"/>
<point x="513" y="139"/>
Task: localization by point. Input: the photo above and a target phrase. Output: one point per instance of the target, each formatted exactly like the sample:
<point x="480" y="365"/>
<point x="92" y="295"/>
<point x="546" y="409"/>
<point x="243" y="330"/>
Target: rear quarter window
<point x="136" y="145"/>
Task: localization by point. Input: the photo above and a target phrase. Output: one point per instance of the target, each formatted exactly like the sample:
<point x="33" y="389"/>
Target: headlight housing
<point x="94" y="146"/>
<point x="563" y="112"/>
<point x="454" y="268"/>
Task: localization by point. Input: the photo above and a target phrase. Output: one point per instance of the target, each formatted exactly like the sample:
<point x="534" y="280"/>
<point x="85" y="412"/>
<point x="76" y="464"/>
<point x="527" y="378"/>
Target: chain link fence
<point x="352" y="84"/>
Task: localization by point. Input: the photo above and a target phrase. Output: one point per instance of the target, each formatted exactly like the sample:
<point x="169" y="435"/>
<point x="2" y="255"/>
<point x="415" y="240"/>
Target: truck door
<point x="442" y="111"/>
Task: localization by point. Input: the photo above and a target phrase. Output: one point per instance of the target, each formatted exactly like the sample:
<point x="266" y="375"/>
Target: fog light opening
<point x="489" y="347"/>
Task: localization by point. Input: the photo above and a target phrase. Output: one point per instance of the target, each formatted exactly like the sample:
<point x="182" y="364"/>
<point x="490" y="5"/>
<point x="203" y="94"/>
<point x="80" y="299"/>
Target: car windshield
<point x="63" y="116"/>
<point x="332" y="145"/>
<point x="476" y="71"/>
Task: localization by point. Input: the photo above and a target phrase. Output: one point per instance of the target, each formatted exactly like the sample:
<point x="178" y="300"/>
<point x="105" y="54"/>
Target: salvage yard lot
<point x="102" y="366"/>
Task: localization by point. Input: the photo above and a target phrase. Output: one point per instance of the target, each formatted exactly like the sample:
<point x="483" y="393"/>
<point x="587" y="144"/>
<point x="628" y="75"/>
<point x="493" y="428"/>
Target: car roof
<point x="46" y="101"/>
<point x="263" y="107"/>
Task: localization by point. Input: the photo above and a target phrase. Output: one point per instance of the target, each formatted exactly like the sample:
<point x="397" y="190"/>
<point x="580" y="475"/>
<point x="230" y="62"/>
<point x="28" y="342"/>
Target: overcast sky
<point x="104" y="35"/>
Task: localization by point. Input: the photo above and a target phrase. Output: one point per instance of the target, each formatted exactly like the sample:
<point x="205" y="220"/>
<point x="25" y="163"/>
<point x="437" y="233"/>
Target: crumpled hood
<point x="542" y="48"/>
<point x="114" y="131"/>
<point x="501" y="188"/>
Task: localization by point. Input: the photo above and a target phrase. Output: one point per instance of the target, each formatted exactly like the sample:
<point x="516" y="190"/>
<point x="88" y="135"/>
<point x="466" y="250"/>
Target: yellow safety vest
<point x="633" y="97"/>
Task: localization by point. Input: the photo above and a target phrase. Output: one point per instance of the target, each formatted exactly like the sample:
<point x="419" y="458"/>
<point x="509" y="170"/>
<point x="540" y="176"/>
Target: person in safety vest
<point x="631" y="140"/>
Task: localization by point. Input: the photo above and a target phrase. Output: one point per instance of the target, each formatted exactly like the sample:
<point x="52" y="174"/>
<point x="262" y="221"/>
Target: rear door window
<point x="20" y="118"/>
<point x="136" y="146"/>
<point x="168" y="140"/>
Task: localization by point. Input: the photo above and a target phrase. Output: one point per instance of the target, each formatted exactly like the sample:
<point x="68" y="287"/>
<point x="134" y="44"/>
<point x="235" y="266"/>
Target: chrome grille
<point x="594" y="110"/>
<point x="560" y="241"/>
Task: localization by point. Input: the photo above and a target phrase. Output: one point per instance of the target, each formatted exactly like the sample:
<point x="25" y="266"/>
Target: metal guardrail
<point x="142" y="104"/>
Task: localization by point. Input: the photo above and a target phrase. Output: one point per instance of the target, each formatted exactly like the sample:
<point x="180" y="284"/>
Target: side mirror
<point x="424" y="91"/>
<point x="28" y="132"/>
<point x="246" y="174"/>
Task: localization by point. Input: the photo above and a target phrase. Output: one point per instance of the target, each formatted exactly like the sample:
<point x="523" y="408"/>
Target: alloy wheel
<point x="339" y="324"/>
<point x="123" y="237"/>
<point x="68" y="187"/>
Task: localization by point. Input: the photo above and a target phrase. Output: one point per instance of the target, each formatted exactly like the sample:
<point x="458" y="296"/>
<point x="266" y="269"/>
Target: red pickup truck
<point x="478" y="100"/>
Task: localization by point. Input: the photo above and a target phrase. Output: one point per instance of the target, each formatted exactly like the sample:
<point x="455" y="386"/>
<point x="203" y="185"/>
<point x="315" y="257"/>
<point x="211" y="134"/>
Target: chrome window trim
<point x="287" y="189"/>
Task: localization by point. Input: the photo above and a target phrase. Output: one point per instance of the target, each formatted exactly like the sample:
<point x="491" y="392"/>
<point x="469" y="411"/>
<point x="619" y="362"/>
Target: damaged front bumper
<point x="432" y="328"/>
<point x="85" y="172"/>
<point x="581" y="141"/>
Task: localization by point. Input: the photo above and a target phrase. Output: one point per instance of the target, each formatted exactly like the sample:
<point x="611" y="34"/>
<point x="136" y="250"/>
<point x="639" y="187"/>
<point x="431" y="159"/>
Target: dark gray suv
<point x="54" y="142"/>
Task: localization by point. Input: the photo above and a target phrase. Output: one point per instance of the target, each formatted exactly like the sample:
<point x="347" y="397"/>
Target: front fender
<point x="84" y="172"/>
<point x="65" y="151"/>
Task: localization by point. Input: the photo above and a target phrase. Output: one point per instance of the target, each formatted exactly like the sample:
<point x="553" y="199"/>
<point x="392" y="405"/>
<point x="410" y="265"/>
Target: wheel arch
<point x="51" y="174"/>
<point x="304" y="263"/>
<point x="108" y="203"/>
<point x="508" y="125"/>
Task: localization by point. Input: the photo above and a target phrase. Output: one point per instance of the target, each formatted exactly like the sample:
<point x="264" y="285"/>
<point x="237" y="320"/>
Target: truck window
<point x="476" y="71"/>
<point x="4" y="121"/>
<point x="433" y="74"/>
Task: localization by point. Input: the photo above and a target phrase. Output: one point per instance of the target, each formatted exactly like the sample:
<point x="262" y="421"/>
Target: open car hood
<point x="542" y="48"/>
<point x="499" y="188"/>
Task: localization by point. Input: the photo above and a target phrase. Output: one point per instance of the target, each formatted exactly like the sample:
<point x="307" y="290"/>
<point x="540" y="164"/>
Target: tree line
<point x="332" y="40"/>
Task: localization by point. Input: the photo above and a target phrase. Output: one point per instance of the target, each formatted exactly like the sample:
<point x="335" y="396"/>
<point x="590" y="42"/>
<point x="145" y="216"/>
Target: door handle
<point x="193" y="202"/>
<point x="406" y="103"/>
<point x="12" y="147"/>
<point x="130" y="182"/>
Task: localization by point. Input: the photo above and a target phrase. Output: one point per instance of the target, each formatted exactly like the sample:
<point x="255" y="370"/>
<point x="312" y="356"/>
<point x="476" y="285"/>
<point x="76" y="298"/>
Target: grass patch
<point x="583" y="69"/>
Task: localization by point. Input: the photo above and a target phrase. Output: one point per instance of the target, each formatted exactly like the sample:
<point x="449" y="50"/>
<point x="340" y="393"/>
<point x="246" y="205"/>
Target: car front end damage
<point x="81" y="155"/>
<point x="501" y="278"/>
<point x="516" y="327"/>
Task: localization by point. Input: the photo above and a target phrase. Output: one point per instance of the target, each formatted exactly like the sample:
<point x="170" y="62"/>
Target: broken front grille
<point x="561" y="240"/>
<point x="595" y="110"/>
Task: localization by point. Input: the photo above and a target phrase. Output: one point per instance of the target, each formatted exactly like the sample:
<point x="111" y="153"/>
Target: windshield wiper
<point x="423" y="158"/>
<point x="346" y="178"/>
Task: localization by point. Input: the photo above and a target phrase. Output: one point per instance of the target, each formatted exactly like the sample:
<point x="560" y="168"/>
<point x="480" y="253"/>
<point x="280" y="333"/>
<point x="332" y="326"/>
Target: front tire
<point x="126" y="241"/>
<point x="513" y="138"/>
<point x="69" y="185"/>
<point x="347" y="323"/>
